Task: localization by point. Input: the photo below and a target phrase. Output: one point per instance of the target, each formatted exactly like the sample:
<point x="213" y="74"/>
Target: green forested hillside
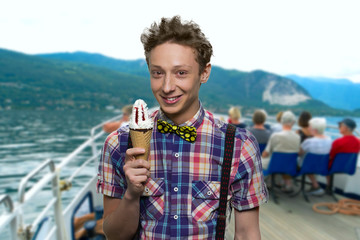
<point x="92" y="81"/>
<point x="135" y="67"/>
<point x="35" y="82"/>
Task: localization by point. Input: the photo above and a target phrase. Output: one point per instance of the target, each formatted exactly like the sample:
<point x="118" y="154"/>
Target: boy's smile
<point x="175" y="80"/>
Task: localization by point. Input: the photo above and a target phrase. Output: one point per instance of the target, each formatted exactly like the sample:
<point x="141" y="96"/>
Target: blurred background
<point x="67" y="65"/>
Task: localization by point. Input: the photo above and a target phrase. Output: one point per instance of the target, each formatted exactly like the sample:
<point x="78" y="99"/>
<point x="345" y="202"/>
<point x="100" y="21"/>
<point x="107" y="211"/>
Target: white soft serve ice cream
<point x="140" y="118"/>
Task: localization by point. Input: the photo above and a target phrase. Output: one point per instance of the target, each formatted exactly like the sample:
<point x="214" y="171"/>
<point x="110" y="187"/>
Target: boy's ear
<point x="206" y="73"/>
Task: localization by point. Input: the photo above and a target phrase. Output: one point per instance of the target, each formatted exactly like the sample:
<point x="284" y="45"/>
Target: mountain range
<point x="92" y="81"/>
<point x="337" y="93"/>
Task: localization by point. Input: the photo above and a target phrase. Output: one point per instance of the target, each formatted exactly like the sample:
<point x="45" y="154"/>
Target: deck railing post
<point x="10" y="209"/>
<point x="13" y="229"/>
<point x="59" y="221"/>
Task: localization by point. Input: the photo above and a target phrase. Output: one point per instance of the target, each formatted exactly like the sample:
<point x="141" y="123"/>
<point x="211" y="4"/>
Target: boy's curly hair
<point x="173" y="30"/>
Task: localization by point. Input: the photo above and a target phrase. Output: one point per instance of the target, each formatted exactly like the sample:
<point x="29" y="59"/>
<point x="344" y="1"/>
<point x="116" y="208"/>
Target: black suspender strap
<point x="225" y="178"/>
<point x="129" y="142"/>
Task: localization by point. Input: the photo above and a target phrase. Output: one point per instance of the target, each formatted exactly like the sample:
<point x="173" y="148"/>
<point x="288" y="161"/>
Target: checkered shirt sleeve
<point x="110" y="182"/>
<point x="248" y="188"/>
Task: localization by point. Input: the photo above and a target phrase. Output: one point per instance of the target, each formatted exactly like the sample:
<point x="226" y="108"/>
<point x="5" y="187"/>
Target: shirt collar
<point x="195" y="121"/>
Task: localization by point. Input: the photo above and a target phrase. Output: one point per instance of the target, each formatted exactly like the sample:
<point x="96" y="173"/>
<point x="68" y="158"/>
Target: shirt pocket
<point x="205" y="200"/>
<point x="152" y="200"/>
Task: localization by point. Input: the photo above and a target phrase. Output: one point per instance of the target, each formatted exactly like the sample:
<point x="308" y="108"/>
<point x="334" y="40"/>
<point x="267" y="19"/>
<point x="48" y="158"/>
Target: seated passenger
<point x="109" y="127"/>
<point x="319" y="144"/>
<point x="348" y="143"/>
<point x="303" y="123"/>
<point x="283" y="141"/>
<point x="261" y="134"/>
<point x="277" y="127"/>
<point x="235" y="116"/>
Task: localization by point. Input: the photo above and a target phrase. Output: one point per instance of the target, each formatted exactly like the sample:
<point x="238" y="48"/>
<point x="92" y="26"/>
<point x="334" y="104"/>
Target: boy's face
<point x="175" y="80"/>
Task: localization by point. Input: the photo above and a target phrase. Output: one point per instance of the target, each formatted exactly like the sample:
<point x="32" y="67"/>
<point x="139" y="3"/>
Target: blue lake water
<point x="28" y="138"/>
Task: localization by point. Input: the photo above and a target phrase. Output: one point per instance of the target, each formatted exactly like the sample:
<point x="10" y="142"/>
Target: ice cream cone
<point x="141" y="138"/>
<point x="141" y="126"/>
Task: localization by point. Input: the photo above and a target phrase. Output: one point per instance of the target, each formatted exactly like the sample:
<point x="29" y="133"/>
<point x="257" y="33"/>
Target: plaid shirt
<point x="181" y="198"/>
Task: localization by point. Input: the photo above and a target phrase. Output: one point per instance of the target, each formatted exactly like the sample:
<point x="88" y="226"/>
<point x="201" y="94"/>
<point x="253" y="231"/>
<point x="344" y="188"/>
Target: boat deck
<point x="294" y="218"/>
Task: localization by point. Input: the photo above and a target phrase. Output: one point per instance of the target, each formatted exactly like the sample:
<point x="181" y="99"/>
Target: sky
<point x="307" y="37"/>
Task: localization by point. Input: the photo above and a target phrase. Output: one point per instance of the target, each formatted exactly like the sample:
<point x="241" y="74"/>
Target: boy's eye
<point x="156" y="73"/>
<point x="182" y="73"/>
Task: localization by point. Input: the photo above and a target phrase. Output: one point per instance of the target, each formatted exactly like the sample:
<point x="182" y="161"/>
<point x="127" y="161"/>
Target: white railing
<point x="9" y="218"/>
<point x="356" y="132"/>
<point x="14" y="217"/>
<point x="55" y="201"/>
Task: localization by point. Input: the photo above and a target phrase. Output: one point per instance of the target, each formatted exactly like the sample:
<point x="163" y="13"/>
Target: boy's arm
<point x="247" y="224"/>
<point x="121" y="216"/>
<point x="249" y="191"/>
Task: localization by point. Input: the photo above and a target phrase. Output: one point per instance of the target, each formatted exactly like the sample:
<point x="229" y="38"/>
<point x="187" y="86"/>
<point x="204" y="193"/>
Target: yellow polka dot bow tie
<point x="187" y="133"/>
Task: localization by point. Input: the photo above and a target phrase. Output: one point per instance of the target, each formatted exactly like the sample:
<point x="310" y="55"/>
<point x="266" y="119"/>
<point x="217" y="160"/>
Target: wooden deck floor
<point x="293" y="218"/>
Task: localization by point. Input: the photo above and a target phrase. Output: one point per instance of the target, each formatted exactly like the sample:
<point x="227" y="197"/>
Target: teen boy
<point x="175" y="194"/>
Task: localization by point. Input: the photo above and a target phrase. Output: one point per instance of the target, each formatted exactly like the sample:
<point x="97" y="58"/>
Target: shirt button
<point x="177" y="155"/>
<point x="176" y="189"/>
<point x="176" y="217"/>
<point x="146" y="189"/>
<point x="209" y="193"/>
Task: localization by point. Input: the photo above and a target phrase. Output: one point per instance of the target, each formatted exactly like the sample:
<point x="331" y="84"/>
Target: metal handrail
<point x="71" y="178"/>
<point x="92" y="131"/>
<point x="272" y="120"/>
<point x="89" y="142"/>
<point x="93" y="137"/>
<point x="356" y="132"/>
<point x="38" y="219"/>
<point x="9" y="218"/>
<point x="27" y="178"/>
<point x="22" y="193"/>
<point x="9" y="221"/>
<point x="7" y="201"/>
<point x="78" y="150"/>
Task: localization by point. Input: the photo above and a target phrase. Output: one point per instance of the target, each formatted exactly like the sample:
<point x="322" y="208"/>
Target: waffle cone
<point x="141" y="139"/>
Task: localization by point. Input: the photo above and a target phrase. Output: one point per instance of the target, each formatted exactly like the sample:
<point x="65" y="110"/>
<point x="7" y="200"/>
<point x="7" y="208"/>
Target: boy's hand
<point x="137" y="172"/>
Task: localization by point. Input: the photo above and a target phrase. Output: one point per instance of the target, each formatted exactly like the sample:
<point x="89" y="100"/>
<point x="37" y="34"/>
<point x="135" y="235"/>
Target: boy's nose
<point x="169" y="84"/>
